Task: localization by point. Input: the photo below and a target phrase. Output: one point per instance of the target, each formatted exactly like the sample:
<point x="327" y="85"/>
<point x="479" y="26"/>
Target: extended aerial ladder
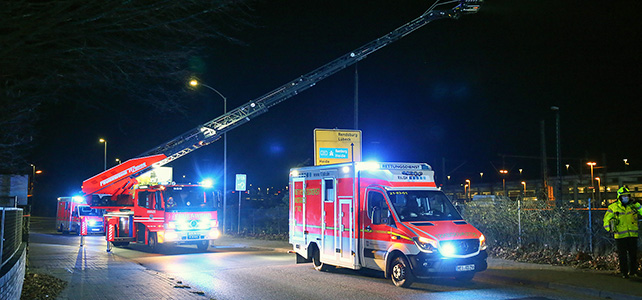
<point x="120" y="178"/>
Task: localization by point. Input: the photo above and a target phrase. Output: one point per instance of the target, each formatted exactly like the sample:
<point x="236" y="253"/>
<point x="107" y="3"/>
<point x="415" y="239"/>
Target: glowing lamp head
<point x="207" y="183"/>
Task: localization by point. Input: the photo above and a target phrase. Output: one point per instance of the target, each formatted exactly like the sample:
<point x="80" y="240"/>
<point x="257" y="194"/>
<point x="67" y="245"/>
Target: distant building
<point x="576" y="189"/>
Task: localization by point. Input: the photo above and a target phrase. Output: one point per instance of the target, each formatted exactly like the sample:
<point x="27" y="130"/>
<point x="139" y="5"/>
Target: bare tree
<point x="99" y="50"/>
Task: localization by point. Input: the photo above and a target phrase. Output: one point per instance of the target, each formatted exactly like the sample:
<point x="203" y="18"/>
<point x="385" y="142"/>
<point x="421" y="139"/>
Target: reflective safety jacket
<point x="625" y="217"/>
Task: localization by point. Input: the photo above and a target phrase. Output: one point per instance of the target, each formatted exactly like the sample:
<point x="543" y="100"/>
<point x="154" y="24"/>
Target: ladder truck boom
<point x="115" y="179"/>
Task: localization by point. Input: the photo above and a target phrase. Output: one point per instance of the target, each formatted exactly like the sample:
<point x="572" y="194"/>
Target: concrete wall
<point x="13" y="275"/>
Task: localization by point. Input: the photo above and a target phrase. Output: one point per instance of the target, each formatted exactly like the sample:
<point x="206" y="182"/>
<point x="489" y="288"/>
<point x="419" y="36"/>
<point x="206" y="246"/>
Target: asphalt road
<point x="236" y="272"/>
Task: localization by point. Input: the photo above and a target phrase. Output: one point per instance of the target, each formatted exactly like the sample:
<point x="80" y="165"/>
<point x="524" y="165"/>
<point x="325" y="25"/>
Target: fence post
<point x="590" y="226"/>
<point x="519" y="220"/>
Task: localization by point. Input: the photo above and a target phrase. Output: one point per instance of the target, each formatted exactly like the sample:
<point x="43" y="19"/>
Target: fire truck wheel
<point x="203" y="245"/>
<point x="152" y="242"/>
<point x="316" y="261"/>
<point x="400" y="272"/>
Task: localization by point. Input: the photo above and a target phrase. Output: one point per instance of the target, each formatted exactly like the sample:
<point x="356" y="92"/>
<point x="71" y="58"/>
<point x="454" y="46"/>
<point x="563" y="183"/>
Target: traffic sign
<point x="241" y="182"/>
<point x="333" y="146"/>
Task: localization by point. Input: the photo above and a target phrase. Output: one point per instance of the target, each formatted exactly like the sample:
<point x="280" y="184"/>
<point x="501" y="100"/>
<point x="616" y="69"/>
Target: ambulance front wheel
<point x="400" y="272"/>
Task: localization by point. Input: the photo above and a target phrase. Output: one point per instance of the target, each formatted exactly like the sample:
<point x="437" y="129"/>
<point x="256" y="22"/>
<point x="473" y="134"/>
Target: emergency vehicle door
<point x="345" y="229"/>
<point x="299" y="210"/>
<point x="376" y="229"/>
<point x="329" y="226"/>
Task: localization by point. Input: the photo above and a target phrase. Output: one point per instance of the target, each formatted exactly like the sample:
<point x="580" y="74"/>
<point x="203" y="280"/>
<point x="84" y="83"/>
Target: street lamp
<point x="504" y="173"/>
<point x="599" y="200"/>
<point x="118" y="161"/>
<point x="592" y="164"/>
<point x="524" y="184"/>
<point x="104" y="141"/>
<point x="469" y="192"/>
<point x="626" y="163"/>
<point x="481" y="176"/>
<point x="195" y="83"/>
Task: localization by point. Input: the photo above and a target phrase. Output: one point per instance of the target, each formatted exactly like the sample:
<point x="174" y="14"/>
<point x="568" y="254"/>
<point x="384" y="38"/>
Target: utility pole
<point x="558" y="199"/>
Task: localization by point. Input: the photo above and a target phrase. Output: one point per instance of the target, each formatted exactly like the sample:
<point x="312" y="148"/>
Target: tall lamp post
<point x="599" y="196"/>
<point x="104" y="141"/>
<point x="195" y="83"/>
<point x="558" y="199"/>
<point x="592" y="164"/>
<point x="469" y="192"/>
<point x="504" y="173"/>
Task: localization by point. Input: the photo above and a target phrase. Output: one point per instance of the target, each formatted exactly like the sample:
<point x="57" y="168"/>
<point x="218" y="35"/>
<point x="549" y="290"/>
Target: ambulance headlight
<point x="482" y="242"/>
<point x="91" y="222"/>
<point x="170" y="225"/>
<point x="447" y="249"/>
<point x="425" y="244"/>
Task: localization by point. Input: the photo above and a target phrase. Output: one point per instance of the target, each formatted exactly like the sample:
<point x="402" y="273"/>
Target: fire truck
<point x="116" y="189"/>
<point x="153" y="214"/>
<point x="389" y="217"/>
<point x="72" y="211"/>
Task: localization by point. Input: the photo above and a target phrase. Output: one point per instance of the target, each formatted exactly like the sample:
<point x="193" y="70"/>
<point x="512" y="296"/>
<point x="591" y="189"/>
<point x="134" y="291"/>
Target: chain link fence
<point x="510" y="224"/>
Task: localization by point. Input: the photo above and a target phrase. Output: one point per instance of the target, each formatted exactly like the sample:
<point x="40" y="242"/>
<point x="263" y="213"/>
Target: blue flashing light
<point x="77" y="199"/>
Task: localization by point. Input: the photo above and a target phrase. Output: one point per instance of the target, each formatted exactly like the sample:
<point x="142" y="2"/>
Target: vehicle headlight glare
<point x="482" y="242"/>
<point x="425" y="244"/>
<point x="447" y="249"/>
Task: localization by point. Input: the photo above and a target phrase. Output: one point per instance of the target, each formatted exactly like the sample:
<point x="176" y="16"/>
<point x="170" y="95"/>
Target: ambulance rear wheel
<point x="400" y="272"/>
<point x="316" y="261"/>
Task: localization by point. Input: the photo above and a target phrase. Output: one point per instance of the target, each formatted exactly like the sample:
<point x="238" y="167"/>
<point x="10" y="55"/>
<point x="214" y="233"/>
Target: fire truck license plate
<point x="462" y="268"/>
<point x="193" y="236"/>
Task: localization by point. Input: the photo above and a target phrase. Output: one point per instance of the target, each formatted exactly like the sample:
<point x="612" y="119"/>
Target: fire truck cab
<point x="383" y="216"/>
<point x="72" y="210"/>
<point x="157" y="215"/>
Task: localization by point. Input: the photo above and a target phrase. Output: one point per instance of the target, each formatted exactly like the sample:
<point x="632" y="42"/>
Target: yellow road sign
<point x="333" y="146"/>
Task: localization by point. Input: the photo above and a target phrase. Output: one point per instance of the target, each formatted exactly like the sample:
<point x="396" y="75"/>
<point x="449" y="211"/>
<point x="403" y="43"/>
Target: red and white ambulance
<point x="72" y="211"/>
<point x="383" y="216"/>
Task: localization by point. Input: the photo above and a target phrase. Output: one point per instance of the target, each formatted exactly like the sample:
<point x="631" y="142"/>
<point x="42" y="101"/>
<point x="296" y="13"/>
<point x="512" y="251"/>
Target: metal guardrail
<point x="10" y="232"/>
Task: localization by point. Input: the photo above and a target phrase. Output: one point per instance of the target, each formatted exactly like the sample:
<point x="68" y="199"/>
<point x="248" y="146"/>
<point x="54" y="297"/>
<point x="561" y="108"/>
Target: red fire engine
<point x="383" y="216"/>
<point x="72" y="211"/>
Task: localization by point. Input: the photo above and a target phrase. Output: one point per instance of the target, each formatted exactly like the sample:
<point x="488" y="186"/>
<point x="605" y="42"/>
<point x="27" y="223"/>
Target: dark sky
<point x="461" y="90"/>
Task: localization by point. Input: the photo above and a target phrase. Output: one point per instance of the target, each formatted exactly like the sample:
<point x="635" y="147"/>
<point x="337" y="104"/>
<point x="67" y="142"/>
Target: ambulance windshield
<point x="412" y="206"/>
<point x="189" y="198"/>
<point x="88" y="211"/>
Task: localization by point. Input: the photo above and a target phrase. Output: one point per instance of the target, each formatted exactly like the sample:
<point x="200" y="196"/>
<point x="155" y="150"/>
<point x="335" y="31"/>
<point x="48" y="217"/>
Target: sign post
<point x="83" y="230"/>
<point x="241" y="186"/>
<point x="333" y="146"/>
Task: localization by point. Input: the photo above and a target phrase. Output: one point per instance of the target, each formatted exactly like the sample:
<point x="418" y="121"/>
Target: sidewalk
<point x="94" y="274"/>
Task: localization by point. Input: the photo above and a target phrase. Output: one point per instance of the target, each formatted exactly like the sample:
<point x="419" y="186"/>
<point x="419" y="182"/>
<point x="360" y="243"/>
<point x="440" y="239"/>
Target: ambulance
<point x="389" y="217"/>
<point x="72" y="210"/>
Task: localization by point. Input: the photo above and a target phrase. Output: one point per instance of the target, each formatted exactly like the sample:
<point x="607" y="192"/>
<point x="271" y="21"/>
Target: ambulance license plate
<point x="462" y="268"/>
<point x="193" y="236"/>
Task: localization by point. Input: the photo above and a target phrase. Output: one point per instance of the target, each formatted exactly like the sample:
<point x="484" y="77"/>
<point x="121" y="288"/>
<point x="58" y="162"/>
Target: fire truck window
<point x="142" y="199"/>
<point x="328" y="190"/>
<point x="159" y="204"/>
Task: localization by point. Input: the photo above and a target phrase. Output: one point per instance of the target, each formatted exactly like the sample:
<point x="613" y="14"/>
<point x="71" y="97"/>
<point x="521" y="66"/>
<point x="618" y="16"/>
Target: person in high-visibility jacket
<point x="621" y="219"/>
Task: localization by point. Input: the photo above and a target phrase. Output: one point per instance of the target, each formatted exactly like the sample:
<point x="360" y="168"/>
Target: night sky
<point x="461" y="90"/>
